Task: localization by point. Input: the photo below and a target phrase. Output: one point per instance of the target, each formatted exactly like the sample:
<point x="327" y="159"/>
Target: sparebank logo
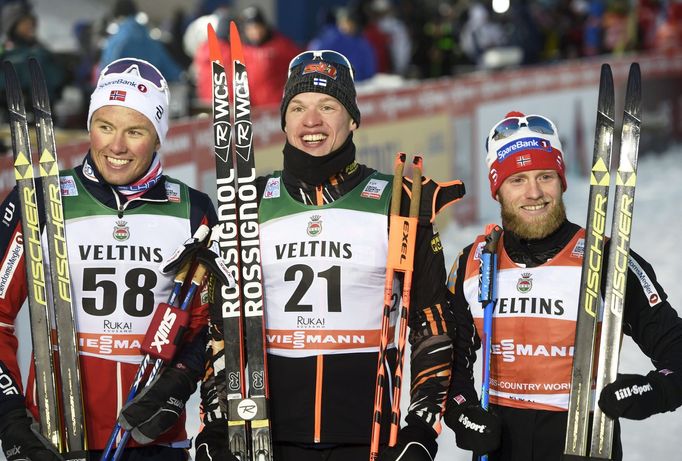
<point x="521" y="145"/>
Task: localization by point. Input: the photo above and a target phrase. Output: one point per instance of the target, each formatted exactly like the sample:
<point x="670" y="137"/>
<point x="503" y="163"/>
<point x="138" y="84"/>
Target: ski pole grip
<point x="489" y="260"/>
<point x="415" y="200"/>
<point x="493" y="233"/>
<point x="397" y="183"/>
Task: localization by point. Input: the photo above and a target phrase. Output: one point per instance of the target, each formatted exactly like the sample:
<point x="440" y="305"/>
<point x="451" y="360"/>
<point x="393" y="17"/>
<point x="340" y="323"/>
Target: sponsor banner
<point x="110" y="345"/>
<point x="327" y="341"/>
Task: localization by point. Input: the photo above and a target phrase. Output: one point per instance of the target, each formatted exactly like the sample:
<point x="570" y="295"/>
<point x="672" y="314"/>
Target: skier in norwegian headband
<point x="534" y="319"/>
<point x="324" y="243"/>
<point x="123" y="217"/>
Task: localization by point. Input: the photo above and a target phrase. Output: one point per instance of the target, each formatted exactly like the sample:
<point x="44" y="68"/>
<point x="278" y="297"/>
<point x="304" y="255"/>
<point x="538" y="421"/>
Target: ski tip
<point x="418" y="162"/>
<point x="214" y="45"/>
<point x="606" y="103"/>
<point x="236" y="43"/>
<point x="41" y="100"/>
<point x="15" y="99"/>
<point x="633" y="93"/>
<point x="400" y="157"/>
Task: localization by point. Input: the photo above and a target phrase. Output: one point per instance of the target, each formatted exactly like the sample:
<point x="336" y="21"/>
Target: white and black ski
<point x="590" y="296"/>
<point x="616" y="272"/>
<point x="601" y="437"/>
<point x="242" y="309"/>
<point x="65" y="428"/>
<point x="39" y="310"/>
<point x="60" y="274"/>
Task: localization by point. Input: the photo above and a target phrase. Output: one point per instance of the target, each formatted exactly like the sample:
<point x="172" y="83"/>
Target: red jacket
<point x="267" y="65"/>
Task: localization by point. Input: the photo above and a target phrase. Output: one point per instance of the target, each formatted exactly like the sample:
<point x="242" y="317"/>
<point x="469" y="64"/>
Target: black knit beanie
<point x="318" y="76"/>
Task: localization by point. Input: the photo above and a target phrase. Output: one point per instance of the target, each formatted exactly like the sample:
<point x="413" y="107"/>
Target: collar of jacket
<point x="107" y="195"/>
<point x="313" y="171"/>
<point x="534" y="252"/>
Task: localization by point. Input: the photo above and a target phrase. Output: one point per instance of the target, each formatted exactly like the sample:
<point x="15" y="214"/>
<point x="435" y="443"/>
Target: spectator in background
<point x="617" y="35"/>
<point x="399" y="41"/>
<point x="19" y="42"/>
<point x="480" y="33"/>
<point x="524" y="31"/>
<point x="346" y="38"/>
<point x="208" y="12"/>
<point x="418" y="22"/>
<point x="267" y="53"/>
<point x="593" y="31"/>
<point x="647" y="22"/>
<point x="173" y="32"/>
<point x="669" y="33"/>
<point x="441" y="43"/>
<point x="130" y="38"/>
<point x="379" y="40"/>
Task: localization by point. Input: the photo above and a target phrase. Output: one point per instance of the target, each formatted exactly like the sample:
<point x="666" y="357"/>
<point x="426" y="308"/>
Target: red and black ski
<point x="242" y="309"/>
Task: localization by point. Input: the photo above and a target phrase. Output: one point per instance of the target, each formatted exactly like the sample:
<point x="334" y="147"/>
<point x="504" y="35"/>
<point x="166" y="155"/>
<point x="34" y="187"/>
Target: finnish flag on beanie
<point x="136" y="84"/>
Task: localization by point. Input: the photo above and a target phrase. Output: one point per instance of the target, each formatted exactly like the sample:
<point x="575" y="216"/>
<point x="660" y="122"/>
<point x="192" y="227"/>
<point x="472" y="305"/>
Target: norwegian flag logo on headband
<point x="523" y="160"/>
<point x="117" y="95"/>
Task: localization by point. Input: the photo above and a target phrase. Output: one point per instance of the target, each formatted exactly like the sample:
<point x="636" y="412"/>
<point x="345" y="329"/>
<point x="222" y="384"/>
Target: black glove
<point x="158" y="406"/>
<point x="416" y="442"/>
<point x="21" y="439"/>
<point x="638" y="397"/>
<point x="212" y="443"/>
<point x="475" y="429"/>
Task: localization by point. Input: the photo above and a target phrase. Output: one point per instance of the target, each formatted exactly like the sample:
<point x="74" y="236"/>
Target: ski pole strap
<point x="211" y="257"/>
<point x="165" y="332"/>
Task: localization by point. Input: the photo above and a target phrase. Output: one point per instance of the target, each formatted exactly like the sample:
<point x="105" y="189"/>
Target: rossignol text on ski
<point x="238" y="238"/>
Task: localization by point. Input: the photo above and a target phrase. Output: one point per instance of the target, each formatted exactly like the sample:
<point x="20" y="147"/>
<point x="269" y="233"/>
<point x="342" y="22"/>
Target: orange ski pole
<point x="406" y="255"/>
<point x="401" y="239"/>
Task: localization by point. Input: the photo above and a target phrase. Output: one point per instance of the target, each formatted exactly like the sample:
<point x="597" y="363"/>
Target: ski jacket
<point x="325" y="395"/>
<point x="114" y="256"/>
<point x="534" y="328"/>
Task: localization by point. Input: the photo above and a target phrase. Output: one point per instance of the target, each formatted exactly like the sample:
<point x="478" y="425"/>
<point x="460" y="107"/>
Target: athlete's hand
<point x="21" y="439"/>
<point x="475" y="429"/>
<point x="158" y="406"/>
<point x="212" y="443"/>
<point x="416" y="442"/>
<point x="638" y="397"/>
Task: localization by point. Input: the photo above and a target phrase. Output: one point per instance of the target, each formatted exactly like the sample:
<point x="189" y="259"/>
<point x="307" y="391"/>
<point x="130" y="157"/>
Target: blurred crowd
<point x="417" y="39"/>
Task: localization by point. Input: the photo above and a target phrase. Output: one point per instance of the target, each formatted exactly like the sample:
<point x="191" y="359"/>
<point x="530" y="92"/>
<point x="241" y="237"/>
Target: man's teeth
<point x="314" y="137"/>
<point x="533" y="207"/>
<point x="117" y="161"/>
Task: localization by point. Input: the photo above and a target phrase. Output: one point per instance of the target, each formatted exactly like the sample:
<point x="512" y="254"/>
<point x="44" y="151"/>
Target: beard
<point x="534" y="228"/>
